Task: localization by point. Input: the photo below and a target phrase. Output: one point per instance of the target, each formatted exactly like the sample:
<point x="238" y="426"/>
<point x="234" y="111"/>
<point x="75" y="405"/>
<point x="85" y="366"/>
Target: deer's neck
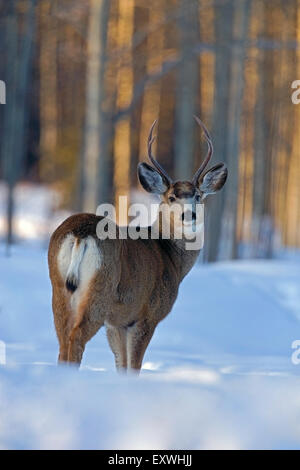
<point x="182" y="258"/>
<point x="183" y="252"/>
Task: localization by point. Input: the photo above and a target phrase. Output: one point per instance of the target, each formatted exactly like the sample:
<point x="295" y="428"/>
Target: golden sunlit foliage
<point x="102" y="71"/>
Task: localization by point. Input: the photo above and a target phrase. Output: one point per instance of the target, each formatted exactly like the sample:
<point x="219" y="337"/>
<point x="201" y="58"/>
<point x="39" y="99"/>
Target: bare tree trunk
<point x="293" y="186"/>
<point x="48" y="89"/>
<point x="287" y="128"/>
<point x="165" y="140"/>
<point x="124" y="92"/>
<point x="223" y="33"/>
<point x="94" y="156"/>
<point x="16" y="110"/>
<point x="265" y="125"/>
<point x="139" y="64"/>
<point x="151" y="99"/>
<point x="187" y="90"/>
<point x="236" y="88"/>
<point x="259" y="177"/>
<point x="9" y="114"/>
<point x="104" y="173"/>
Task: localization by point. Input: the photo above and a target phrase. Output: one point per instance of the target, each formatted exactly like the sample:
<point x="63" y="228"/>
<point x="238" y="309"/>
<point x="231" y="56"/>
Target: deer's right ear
<point x="213" y="180"/>
<point x="151" y="180"/>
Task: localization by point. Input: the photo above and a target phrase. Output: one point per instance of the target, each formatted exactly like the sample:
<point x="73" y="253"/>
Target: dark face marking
<point x="184" y="189"/>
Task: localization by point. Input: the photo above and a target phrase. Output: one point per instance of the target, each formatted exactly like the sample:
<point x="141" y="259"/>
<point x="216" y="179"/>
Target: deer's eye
<point x="198" y="198"/>
<point x="171" y="198"/>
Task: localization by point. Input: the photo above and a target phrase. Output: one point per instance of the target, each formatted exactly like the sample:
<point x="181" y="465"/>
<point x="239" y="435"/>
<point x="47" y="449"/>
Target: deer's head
<point x="186" y="195"/>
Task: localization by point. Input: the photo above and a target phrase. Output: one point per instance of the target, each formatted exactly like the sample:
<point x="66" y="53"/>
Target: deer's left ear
<point x="213" y="180"/>
<point x="151" y="180"/>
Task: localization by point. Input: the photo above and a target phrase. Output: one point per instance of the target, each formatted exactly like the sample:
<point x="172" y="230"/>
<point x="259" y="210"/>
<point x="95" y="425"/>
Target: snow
<point x="35" y="215"/>
<point x="217" y="374"/>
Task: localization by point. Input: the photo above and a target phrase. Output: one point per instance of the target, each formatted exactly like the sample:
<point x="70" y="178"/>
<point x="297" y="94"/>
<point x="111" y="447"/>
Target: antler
<point x="209" y="152"/>
<point x="159" y="168"/>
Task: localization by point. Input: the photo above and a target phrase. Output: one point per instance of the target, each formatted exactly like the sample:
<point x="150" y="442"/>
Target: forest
<point x="81" y="83"/>
<point x="85" y="79"/>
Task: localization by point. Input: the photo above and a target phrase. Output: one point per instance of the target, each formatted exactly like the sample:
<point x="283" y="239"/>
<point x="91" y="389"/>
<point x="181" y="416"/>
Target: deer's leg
<point x="138" y="338"/>
<point x="63" y="352"/>
<point x="117" y="341"/>
<point x="89" y="321"/>
<point x="62" y="316"/>
<point x="63" y="338"/>
<point x="79" y="336"/>
<point x="63" y="346"/>
<point x="76" y="346"/>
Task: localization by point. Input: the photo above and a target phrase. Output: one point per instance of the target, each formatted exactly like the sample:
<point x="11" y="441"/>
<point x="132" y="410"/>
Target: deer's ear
<point x="213" y="180"/>
<point x="151" y="180"/>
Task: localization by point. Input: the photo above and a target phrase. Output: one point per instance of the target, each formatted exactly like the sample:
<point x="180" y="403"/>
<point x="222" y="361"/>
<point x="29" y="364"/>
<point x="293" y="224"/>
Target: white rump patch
<point x="79" y="260"/>
<point x="64" y="255"/>
<point x="76" y="258"/>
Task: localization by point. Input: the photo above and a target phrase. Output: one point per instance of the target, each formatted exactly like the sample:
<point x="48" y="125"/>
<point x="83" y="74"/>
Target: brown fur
<point x="183" y="189"/>
<point x="137" y="284"/>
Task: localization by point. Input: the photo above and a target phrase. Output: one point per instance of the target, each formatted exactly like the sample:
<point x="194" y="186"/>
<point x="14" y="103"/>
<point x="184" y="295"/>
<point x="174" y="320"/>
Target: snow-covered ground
<point x="36" y="212"/>
<point x="217" y="374"/>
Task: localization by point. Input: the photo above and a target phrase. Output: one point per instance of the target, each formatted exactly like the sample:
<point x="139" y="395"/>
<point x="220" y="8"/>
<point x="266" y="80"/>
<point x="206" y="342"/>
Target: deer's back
<point x="128" y="279"/>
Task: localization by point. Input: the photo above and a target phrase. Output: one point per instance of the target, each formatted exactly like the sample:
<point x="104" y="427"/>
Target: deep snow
<point x="217" y="374"/>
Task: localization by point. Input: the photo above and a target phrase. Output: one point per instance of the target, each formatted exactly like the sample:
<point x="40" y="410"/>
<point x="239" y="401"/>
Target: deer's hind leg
<point x="62" y="318"/>
<point x="80" y="334"/>
<point x="89" y="320"/>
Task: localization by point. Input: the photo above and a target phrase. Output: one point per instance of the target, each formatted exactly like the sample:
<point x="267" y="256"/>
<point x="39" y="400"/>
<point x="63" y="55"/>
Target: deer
<point x="127" y="285"/>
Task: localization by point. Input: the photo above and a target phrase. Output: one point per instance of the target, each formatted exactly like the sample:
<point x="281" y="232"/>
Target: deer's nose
<point x="188" y="216"/>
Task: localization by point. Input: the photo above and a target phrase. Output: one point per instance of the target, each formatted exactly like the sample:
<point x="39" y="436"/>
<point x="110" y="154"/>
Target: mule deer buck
<point x="127" y="285"/>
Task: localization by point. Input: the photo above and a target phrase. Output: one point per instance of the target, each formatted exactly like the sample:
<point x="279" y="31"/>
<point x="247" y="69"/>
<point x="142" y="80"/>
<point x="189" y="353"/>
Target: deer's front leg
<point x="117" y="341"/>
<point x="138" y="338"/>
